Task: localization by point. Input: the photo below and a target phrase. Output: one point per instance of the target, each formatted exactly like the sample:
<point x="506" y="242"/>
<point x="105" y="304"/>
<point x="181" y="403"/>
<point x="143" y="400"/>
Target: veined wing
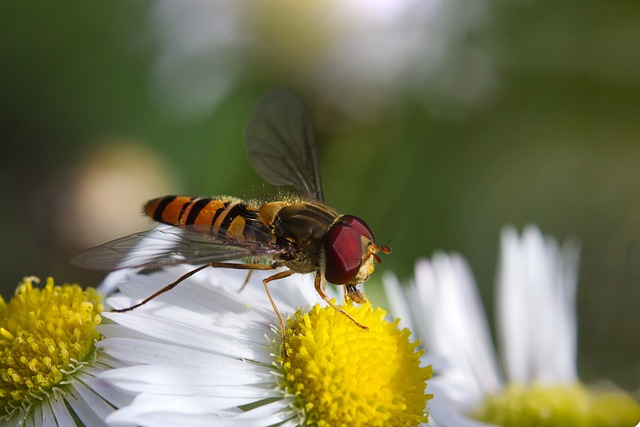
<point x="280" y="144"/>
<point x="168" y="245"/>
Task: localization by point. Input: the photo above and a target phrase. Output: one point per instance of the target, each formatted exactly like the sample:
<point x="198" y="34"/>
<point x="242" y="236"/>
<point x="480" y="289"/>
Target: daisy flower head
<point x="209" y="354"/>
<point x="535" y="382"/>
<point x="49" y="362"/>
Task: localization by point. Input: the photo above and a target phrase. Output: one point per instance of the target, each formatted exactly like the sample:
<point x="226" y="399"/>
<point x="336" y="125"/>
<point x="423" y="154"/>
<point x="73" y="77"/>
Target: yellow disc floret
<point x="342" y="375"/>
<point x="558" y="406"/>
<point x="45" y="336"/>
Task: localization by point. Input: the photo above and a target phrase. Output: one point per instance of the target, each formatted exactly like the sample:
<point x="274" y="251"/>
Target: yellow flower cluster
<point x="342" y="375"/>
<point x="559" y="406"/>
<point x="45" y="335"/>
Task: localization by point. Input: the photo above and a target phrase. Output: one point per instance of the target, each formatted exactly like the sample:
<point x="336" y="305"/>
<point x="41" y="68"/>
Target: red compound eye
<point x="357" y="224"/>
<point x="343" y="249"/>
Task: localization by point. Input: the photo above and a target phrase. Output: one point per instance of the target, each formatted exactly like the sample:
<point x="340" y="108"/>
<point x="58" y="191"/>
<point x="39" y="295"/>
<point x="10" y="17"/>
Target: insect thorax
<point x="303" y="224"/>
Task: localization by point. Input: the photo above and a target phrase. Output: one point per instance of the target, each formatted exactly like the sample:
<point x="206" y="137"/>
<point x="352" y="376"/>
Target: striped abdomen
<point x="226" y="216"/>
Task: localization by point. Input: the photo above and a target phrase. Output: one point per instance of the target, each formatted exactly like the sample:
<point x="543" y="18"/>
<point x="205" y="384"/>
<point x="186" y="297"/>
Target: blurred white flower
<point x="536" y="327"/>
<point x="355" y="54"/>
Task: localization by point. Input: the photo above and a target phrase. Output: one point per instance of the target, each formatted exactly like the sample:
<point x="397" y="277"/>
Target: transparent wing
<point x="167" y="245"/>
<point x="281" y="146"/>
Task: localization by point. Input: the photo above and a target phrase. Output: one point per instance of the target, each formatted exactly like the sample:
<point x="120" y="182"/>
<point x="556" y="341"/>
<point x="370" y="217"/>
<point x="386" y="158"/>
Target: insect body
<point x="299" y="233"/>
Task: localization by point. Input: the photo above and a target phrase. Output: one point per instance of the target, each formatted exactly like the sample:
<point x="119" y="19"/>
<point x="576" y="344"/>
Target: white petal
<point x="206" y="293"/>
<point x="512" y="306"/>
<point x="185" y="376"/>
<point x="218" y="340"/>
<point x="35" y="418"/>
<point x="457" y="329"/>
<point x="541" y="302"/>
<point x="104" y="390"/>
<point x="422" y="303"/>
<point x="89" y="408"/>
<point x="536" y="307"/>
<point x="187" y="410"/>
<point x="397" y="300"/>
<point x="196" y="404"/>
<point x="48" y="419"/>
<point x="172" y="419"/>
<point x="60" y="411"/>
<point x="273" y="412"/>
<point x="135" y="351"/>
<point x="567" y="337"/>
<point x="114" y="279"/>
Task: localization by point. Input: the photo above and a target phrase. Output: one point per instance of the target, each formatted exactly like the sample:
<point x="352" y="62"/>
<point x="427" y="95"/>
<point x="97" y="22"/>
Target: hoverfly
<point x="299" y="233"/>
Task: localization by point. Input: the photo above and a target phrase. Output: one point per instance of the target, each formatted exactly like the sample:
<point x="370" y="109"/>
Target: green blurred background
<point x="439" y="122"/>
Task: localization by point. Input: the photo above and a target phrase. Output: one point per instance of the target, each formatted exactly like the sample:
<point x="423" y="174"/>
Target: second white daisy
<point x="538" y="384"/>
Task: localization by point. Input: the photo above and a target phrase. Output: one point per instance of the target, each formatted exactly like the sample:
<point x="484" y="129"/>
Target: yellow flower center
<point x="45" y="336"/>
<point x="342" y="375"/>
<point x="559" y="406"/>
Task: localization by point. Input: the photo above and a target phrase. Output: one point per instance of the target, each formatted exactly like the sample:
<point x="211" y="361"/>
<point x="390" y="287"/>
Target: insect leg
<point x="191" y="273"/>
<point x="161" y="291"/>
<point x="277" y="276"/>
<point x="246" y="280"/>
<point x="318" y="285"/>
<point x="352" y="292"/>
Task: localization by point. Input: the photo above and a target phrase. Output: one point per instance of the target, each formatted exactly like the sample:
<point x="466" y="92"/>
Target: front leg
<point x="352" y="292"/>
<point x="319" y="288"/>
<point x="235" y="266"/>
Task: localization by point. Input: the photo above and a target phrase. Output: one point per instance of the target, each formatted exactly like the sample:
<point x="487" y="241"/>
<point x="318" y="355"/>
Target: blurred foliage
<point x="531" y="117"/>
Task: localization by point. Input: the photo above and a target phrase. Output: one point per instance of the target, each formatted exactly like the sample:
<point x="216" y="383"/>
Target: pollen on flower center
<point x="342" y="375"/>
<point x="551" y="406"/>
<point x="45" y="336"/>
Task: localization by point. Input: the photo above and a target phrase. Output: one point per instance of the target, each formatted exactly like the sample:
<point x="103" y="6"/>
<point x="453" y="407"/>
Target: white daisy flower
<point x="207" y="354"/>
<point x="49" y="363"/>
<point x="536" y="383"/>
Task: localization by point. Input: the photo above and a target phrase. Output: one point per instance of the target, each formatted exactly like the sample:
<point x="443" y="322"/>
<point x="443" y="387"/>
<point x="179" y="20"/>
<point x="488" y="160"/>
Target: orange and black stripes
<point x="205" y="214"/>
